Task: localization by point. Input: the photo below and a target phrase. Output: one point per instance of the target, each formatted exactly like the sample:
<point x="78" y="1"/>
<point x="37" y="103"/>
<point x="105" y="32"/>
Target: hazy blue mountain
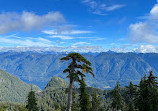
<point x="12" y="89"/>
<point x="109" y="67"/>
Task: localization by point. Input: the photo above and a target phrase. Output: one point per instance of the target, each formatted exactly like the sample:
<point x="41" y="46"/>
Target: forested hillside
<point x="13" y="89"/>
<point x="54" y="97"/>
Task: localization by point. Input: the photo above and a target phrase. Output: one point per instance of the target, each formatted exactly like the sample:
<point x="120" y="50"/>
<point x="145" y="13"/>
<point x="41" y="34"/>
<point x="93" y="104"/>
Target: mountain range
<point x="108" y="67"/>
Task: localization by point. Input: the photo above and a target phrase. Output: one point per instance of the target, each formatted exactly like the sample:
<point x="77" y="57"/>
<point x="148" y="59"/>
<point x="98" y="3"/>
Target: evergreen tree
<point x="142" y="95"/>
<point x="32" y="102"/>
<point x="84" y="96"/>
<point x="117" y="100"/>
<point x="130" y="94"/>
<point x="96" y="105"/>
<point x="147" y="99"/>
<point x="78" y="62"/>
<point x="75" y="103"/>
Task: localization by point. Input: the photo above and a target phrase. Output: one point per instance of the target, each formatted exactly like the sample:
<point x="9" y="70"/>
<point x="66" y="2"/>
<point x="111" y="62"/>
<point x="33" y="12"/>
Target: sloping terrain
<point x="13" y="89"/>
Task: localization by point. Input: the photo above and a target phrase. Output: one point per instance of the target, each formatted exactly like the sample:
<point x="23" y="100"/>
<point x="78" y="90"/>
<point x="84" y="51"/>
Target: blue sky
<point x="80" y="25"/>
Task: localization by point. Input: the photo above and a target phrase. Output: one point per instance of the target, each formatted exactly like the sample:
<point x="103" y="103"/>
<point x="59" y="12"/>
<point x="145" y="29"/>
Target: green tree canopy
<point x="117" y="100"/>
<point x="147" y="99"/>
<point x="130" y="95"/>
<point x="78" y="63"/>
<point x="32" y="101"/>
<point x="84" y="96"/>
<point x="96" y="104"/>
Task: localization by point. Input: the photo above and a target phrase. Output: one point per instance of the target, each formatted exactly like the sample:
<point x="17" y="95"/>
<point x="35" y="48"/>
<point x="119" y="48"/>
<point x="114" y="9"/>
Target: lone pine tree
<point x="78" y="62"/>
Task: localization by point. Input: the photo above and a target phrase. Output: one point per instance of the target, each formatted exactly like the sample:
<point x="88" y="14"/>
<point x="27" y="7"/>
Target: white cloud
<point x="60" y="36"/>
<point x="28" y="41"/>
<point x="66" y="32"/>
<point x="146" y="49"/>
<point x="119" y="47"/>
<point x="114" y="7"/>
<point x="42" y="44"/>
<point x="83" y="49"/>
<point x="27" y="21"/>
<point x="92" y="38"/>
<point x="139" y="48"/>
<point x="86" y="37"/>
<point x="54" y="48"/>
<point x="64" y="37"/>
<point x="100" y="8"/>
<point x="154" y="11"/>
<point x="146" y="31"/>
<point x="143" y="32"/>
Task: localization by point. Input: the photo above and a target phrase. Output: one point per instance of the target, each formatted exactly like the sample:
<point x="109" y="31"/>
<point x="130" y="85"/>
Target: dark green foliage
<point x="75" y="107"/>
<point x="144" y="97"/>
<point x="32" y="102"/>
<point x="3" y="107"/>
<point x="84" y="97"/>
<point x="117" y="100"/>
<point x="78" y="62"/>
<point x="95" y="102"/>
<point x="147" y="99"/>
<point x="51" y="97"/>
<point x="129" y="96"/>
<point x="75" y="100"/>
<point x="48" y="98"/>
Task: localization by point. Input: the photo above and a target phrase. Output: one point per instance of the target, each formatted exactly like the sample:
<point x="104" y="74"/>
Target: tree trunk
<point x="70" y="96"/>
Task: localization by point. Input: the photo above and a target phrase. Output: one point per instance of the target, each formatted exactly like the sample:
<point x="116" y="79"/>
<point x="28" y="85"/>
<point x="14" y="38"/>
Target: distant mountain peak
<point x="110" y="51"/>
<point x="57" y="82"/>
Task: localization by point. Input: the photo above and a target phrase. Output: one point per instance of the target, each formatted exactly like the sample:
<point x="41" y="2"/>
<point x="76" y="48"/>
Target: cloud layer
<point x="65" y="32"/>
<point x="146" y="49"/>
<point x="54" y="48"/>
<point x="146" y="31"/>
<point x="13" y="40"/>
<point x="28" y="21"/>
<point x="101" y="8"/>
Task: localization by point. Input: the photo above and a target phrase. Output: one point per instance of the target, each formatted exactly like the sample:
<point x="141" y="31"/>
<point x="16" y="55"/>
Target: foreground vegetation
<point x="142" y="97"/>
